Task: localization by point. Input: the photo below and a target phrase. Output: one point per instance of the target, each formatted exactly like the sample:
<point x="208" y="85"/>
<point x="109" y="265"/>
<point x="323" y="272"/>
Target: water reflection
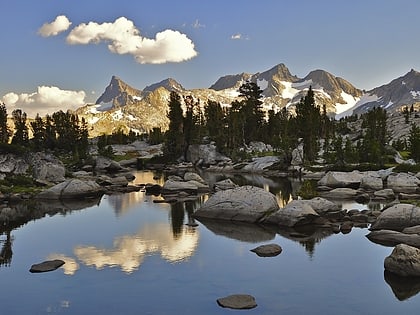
<point x="6" y="250"/>
<point x="245" y="232"/>
<point x="123" y="203"/>
<point x="282" y="188"/>
<point x="402" y="287"/>
<point x="129" y="251"/>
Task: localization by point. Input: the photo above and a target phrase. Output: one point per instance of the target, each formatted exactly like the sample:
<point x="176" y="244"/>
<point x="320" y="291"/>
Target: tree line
<point x="234" y="127"/>
<point x="61" y="131"/>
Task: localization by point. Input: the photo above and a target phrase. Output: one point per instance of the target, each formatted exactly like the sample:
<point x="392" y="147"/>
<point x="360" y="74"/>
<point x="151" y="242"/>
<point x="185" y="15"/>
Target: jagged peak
<point x="283" y="72"/>
<point x="115" y="87"/>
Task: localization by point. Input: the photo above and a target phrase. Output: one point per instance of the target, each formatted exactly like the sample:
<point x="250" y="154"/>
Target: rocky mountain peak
<point x="403" y="91"/>
<point x="279" y="73"/>
<point x="230" y="81"/>
<point x="118" y="93"/>
<point x="169" y="84"/>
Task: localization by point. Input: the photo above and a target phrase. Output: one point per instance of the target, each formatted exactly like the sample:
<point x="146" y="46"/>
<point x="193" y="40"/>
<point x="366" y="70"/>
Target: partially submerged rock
<point x="341" y="179"/>
<point x="269" y="250"/>
<point x="73" y="188"/>
<point x="237" y="301"/>
<point x="245" y="203"/>
<point x="398" y="217"/>
<point x="49" y="265"/>
<point x="296" y="212"/>
<point x="404" y="261"/>
<point x="392" y="238"/>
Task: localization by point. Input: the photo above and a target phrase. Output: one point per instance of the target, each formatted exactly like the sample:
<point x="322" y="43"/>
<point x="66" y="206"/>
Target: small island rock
<point x="49" y="265"/>
<point x="269" y="250"/>
<point x="237" y="301"/>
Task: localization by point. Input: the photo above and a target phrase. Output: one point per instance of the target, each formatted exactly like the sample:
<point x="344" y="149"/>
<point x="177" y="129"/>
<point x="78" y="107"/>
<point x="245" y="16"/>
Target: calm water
<point x="128" y="255"/>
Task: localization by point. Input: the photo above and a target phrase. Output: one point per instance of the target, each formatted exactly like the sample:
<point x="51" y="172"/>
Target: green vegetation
<point x="18" y="184"/>
<point x="308" y="189"/>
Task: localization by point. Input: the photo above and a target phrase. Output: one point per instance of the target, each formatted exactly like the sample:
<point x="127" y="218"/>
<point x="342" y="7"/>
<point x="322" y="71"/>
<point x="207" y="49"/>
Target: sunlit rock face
<point x="129" y="251"/>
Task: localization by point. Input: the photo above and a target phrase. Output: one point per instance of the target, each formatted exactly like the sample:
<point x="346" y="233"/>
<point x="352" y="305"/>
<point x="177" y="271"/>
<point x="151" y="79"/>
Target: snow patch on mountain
<point x="350" y="102"/>
<point x="262" y="83"/>
<point x="366" y="98"/>
<point x="289" y="91"/>
<point x="415" y="94"/>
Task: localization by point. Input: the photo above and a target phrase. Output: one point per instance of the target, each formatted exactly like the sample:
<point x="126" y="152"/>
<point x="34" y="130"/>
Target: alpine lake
<point x="126" y="254"/>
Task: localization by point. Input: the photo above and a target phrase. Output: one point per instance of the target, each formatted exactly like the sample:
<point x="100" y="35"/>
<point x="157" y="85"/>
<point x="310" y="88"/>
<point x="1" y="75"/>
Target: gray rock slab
<point x="296" y="212"/>
<point x="237" y="301"/>
<point x="49" y="265"/>
<point x="392" y="238"/>
<point x="398" y="217"/>
<point x="245" y="204"/>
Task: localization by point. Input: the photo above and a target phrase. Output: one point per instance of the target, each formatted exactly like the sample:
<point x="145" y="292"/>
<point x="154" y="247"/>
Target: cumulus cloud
<point x="46" y="100"/>
<point x="60" y="24"/>
<point x="123" y="37"/>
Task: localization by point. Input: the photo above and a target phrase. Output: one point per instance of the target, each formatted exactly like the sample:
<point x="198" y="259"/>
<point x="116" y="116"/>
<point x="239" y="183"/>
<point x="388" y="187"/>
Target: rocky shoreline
<point x="397" y="223"/>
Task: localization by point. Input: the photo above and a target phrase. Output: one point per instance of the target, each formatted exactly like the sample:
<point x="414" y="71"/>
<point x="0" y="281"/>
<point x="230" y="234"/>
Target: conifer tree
<point x="372" y="147"/>
<point x="4" y="128"/>
<point x="173" y="146"/>
<point x="308" y="123"/>
<point x="215" y="120"/>
<point x="414" y="142"/>
<point x="20" y="136"/>
<point x="252" y="109"/>
<point x="39" y="133"/>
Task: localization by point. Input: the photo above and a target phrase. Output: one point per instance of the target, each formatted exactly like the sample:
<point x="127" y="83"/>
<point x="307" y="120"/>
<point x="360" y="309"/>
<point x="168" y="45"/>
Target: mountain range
<point x="122" y="106"/>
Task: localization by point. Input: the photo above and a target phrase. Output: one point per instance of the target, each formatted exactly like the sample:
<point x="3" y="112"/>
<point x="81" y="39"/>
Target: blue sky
<point x="49" y="63"/>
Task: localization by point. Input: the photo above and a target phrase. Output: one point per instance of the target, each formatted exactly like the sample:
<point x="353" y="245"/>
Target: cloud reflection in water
<point x="129" y="251"/>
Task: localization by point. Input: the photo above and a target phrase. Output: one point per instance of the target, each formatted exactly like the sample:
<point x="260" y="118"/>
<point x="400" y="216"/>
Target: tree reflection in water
<point x="6" y="250"/>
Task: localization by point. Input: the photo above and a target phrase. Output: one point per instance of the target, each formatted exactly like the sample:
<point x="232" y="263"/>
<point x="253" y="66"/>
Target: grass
<point x="127" y="156"/>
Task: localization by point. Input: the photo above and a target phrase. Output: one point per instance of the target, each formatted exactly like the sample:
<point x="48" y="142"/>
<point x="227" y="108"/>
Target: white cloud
<point x="123" y="37"/>
<point x="60" y="24"/>
<point x="46" y="100"/>
<point x="236" y="36"/>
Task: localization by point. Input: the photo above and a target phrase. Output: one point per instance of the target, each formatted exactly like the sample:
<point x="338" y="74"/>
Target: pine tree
<point x="20" y="136"/>
<point x="414" y="142"/>
<point x="215" y="120"/>
<point x="252" y="109"/>
<point x="39" y="133"/>
<point x="308" y="123"/>
<point x="372" y="148"/>
<point x="4" y="128"/>
<point x="173" y="146"/>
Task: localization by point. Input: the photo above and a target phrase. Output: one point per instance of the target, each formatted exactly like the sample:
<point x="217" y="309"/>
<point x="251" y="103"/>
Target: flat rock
<point x="341" y="193"/>
<point x="392" y="238"/>
<point x="341" y="179"/>
<point x="73" y="188"/>
<point x="387" y="193"/>
<point x="238" y="301"/>
<point x="49" y="265"/>
<point x="269" y="250"/>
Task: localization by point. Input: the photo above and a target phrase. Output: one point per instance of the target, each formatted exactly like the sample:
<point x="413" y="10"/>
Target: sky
<point x="61" y="54"/>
